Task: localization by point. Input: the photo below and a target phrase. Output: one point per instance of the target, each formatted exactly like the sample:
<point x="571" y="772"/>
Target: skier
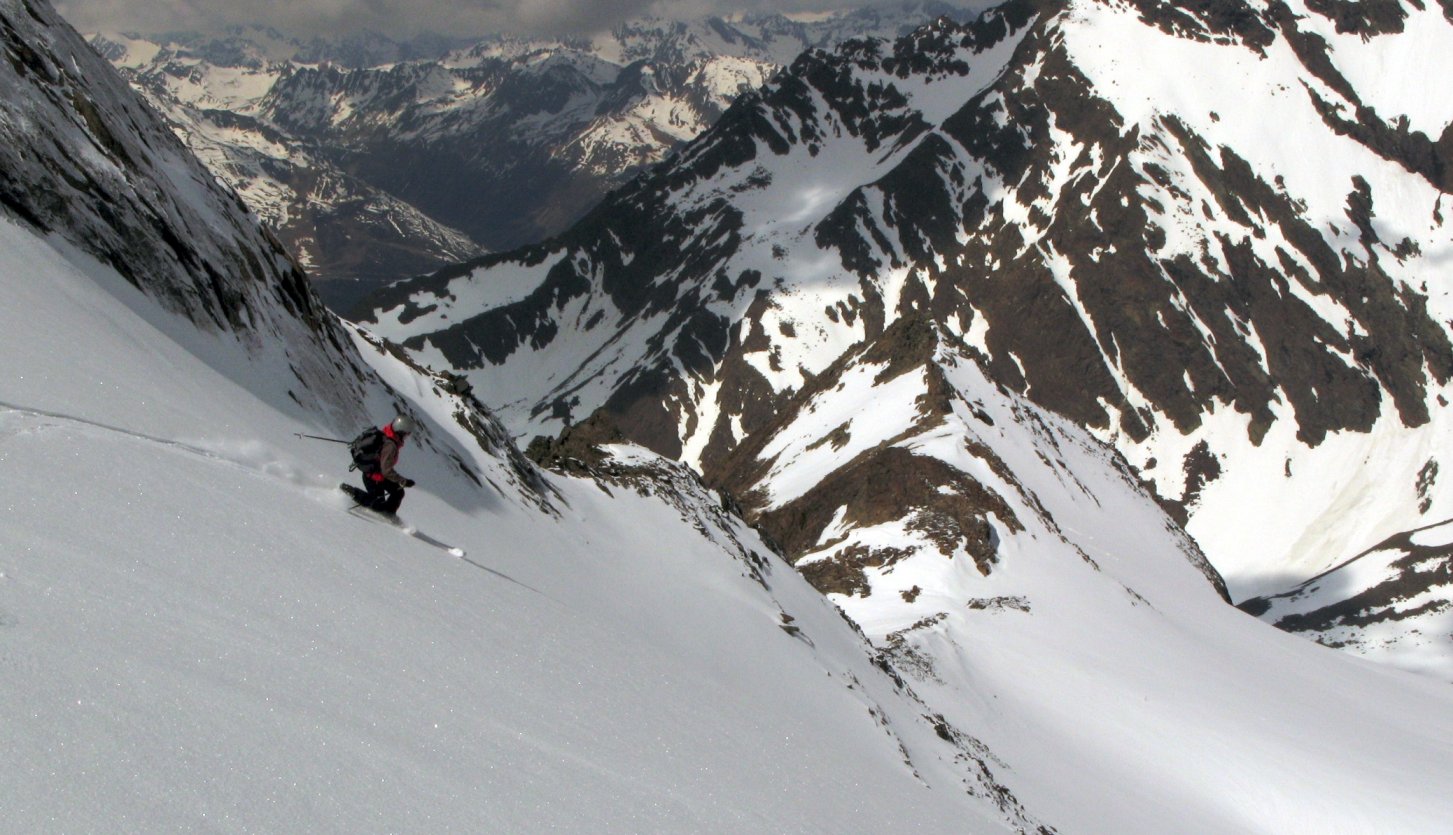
<point x="375" y="454"/>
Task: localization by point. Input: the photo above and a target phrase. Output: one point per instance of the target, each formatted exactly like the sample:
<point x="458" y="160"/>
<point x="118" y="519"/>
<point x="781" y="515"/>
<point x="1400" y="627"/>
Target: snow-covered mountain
<point x="201" y="637"/>
<point x="378" y="159"/>
<point x="1018" y="577"/>
<point x="1212" y="235"/>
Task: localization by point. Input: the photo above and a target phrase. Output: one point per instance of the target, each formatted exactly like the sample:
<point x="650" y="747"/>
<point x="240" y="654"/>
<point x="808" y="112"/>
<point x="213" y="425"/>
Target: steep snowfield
<point x="200" y="636"/>
<point x="197" y="634"/>
<point x="1084" y="646"/>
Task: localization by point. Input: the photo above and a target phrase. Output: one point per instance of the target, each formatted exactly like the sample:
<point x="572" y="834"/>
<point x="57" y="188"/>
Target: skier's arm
<point x="389" y="457"/>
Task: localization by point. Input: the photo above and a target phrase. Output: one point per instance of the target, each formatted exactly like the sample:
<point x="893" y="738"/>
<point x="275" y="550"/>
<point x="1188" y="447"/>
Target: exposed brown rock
<point x="843" y="573"/>
<point x="883" y="485"/>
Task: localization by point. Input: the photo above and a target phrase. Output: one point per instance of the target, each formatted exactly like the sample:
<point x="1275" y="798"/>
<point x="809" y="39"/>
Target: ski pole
<point x="320" y="438"/>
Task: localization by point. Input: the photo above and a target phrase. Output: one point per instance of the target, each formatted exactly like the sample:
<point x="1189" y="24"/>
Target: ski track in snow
<point x="40" y="420"/>
<point x="263" y="469"/>
<point x="41" y="415"/>
<point x="452" y="550"/>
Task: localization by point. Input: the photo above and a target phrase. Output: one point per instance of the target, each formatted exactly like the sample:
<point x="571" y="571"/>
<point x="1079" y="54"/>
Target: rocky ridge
<point x="1241" y="306"/>
<point x="925" y="465"/>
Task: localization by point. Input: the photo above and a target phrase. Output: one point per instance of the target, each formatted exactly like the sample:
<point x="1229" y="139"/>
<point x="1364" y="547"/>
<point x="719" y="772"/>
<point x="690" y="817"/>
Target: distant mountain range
<point x="379" y="159"/>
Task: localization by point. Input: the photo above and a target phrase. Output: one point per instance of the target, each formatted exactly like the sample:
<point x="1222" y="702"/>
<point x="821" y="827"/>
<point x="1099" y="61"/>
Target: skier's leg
<point x="378" y="497"/>
<point x="394" y="497"/>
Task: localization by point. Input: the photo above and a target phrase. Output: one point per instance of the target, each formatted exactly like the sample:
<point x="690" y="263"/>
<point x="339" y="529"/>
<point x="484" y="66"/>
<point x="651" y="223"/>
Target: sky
<point x="408" y="17"/>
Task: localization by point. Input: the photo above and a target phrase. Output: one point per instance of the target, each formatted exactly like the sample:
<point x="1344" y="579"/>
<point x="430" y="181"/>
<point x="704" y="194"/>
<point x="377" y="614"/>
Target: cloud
<point x="578" y="15"/>
<point x="408" y="17"/>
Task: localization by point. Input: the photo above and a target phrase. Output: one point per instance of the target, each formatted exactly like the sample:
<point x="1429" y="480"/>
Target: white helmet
<point x="402" y="425"/>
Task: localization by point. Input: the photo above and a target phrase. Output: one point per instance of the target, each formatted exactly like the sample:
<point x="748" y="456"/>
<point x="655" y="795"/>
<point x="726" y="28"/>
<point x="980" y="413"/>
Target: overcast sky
<point x="406" y="17"/>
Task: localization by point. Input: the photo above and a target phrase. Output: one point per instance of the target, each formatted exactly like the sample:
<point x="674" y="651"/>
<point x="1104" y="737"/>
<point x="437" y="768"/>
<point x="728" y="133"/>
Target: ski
<point x="368" y="514"/>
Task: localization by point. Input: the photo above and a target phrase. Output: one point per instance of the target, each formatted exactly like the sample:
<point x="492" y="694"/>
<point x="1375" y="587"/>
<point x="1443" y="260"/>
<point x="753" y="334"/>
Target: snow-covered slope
<point x="1393" y="603"/>
<point x="199" y="635"/>
<point x="203" y="637"/>
<point x="1036" y="597"/>
<point x="1231" y="224"/>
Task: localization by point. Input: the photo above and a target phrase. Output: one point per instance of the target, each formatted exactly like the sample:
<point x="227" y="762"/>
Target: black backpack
<point x="365" y="449"/>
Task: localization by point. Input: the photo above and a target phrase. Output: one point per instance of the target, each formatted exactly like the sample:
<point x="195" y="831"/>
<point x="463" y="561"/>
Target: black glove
<point x="408" y="482"/>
